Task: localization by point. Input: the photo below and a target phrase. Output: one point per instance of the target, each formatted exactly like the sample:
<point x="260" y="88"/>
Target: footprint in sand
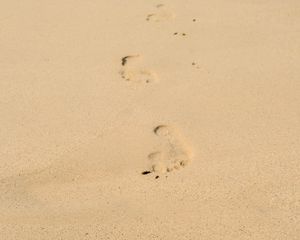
<point x="134" y="71"/>
<point x="173" y="155"/>
<point x="161" y="14"/>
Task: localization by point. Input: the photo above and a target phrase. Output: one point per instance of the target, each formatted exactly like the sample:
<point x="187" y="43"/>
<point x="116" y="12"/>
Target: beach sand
<point x="174" y="119"/>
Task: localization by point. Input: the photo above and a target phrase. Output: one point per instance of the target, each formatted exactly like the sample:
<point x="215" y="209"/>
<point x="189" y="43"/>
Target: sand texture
<point x="150" y="120"/>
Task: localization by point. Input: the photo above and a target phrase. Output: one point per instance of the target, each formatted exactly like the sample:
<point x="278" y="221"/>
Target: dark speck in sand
<point x="146" y="172"/>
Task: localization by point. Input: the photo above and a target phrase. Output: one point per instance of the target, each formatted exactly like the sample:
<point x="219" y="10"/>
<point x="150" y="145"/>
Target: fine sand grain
<point x="174" y="119"/>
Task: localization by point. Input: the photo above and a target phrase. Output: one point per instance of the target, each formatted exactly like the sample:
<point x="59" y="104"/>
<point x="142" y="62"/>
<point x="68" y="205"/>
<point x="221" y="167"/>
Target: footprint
<point x="194" y="64"/>
<point x="162" y="14"/>
<point x="173" y="155"/>
<point x="133" y="70"/>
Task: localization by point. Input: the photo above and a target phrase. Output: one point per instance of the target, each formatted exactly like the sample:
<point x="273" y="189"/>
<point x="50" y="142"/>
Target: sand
<point x="150" y="119"/>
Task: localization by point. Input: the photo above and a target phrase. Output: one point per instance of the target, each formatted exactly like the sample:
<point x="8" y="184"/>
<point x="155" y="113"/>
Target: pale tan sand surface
<point x="207" y="98"/>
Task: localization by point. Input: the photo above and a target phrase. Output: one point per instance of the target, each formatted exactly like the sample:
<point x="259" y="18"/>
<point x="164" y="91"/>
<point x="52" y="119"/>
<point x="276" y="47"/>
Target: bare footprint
<point x="134" y="71"/>
<point x="161" y="14"/>
<point x="173" y="155"/>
